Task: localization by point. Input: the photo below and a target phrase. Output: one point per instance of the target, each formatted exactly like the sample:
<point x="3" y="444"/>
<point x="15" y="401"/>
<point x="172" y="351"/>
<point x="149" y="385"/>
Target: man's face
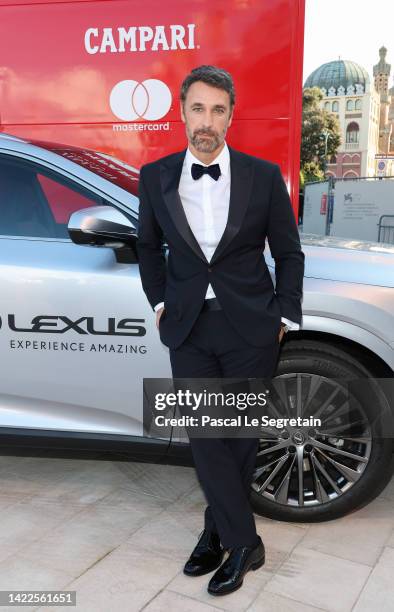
<point x="206" y="114"/>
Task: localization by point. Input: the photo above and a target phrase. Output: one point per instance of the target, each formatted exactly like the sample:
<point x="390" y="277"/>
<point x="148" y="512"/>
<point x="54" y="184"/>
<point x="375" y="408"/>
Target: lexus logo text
<point x="49" y="324"/>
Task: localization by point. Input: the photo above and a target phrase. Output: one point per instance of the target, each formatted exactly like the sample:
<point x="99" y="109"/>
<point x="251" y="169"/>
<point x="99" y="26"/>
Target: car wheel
<point x="306" y="474"/>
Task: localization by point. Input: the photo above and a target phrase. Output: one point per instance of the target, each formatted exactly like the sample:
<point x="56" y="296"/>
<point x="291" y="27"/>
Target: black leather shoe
<point x="229" y="576"/>
<point x="207" y="555"/>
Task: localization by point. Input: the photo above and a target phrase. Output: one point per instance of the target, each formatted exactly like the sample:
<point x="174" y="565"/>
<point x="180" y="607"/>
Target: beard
<point x="203" y="144"/>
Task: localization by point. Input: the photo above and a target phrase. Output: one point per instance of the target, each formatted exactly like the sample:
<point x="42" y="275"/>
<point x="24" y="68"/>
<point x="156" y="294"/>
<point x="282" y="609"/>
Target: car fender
<point x="350" y="331"/>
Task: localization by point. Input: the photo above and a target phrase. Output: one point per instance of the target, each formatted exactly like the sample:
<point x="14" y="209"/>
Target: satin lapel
<point x="241" y="170"/>
<point x="170" y="174"/>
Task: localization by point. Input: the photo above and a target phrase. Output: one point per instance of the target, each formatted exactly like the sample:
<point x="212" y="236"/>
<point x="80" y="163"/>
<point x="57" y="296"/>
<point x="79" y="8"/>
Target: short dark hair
<point x="211" y="75"/>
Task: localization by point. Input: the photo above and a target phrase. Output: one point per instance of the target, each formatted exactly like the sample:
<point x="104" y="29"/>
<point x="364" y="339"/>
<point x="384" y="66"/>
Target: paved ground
<point x="119" y="533"/>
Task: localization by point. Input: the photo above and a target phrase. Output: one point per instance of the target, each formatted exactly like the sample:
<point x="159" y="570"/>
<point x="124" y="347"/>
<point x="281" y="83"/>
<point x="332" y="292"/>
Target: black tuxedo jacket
<point x="259" y="207"/>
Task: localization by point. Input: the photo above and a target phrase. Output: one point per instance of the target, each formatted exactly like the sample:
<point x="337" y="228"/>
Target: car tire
<point x="327" y="363"/>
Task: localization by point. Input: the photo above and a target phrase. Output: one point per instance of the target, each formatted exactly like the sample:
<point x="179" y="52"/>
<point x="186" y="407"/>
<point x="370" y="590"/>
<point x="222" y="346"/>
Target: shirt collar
<point x="223" y="159"/>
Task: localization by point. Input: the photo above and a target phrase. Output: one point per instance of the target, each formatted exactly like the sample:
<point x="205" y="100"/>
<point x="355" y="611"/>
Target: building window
<point x="333" y="159"/>
<point x="327" y="106"/>
<point x="352" y="132"/>
<point x="335" y="107"/>
<point x="349" y="105"/>
<point x="358" y="104"/>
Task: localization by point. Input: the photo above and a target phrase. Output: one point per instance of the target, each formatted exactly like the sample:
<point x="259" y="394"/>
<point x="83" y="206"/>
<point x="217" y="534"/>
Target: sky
<point x="351" y="29"/>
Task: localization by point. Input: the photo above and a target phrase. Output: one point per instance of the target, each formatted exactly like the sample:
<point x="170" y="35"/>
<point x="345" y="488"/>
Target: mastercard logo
<point x="130" y="100"/>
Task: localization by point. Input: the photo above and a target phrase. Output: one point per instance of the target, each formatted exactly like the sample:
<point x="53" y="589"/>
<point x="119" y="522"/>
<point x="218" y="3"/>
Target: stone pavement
<point x="118" y="533"/>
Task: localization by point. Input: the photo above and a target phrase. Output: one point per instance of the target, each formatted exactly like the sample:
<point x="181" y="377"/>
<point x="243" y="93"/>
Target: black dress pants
<point x="224" y="466"/>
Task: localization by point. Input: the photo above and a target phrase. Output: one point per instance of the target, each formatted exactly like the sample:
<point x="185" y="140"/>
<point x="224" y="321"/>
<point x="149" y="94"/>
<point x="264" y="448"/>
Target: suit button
<point x="209" y="269"/>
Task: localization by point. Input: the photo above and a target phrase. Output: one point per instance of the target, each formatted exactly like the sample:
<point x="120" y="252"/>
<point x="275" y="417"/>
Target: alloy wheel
<point x="306" y="466"/>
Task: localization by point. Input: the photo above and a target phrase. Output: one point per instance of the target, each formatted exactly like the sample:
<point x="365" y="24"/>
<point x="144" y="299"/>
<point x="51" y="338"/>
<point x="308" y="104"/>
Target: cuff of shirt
<point x="294" y="326"/>
<point x="158" y="306"/>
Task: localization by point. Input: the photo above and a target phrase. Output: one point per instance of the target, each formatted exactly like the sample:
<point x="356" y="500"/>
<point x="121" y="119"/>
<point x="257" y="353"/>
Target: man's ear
<point x="182" y="113"/>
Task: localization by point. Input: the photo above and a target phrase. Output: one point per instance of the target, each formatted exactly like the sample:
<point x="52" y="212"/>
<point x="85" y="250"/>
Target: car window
<point x="36" y="202"/>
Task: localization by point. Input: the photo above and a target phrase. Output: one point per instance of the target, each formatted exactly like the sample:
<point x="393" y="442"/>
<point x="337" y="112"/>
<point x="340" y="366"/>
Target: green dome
<point x="336" y="74"/>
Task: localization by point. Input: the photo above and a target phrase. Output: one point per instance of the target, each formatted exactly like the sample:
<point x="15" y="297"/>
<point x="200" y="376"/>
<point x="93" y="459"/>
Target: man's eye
<point x="220" y="110"/>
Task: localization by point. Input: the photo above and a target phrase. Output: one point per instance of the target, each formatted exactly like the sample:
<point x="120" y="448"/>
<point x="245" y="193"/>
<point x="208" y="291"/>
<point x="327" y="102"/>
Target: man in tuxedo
<point x="216" y="306"/>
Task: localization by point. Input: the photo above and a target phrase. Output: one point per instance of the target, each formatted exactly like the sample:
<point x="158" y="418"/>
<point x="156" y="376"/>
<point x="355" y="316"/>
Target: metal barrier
<point x="386" y="232"/>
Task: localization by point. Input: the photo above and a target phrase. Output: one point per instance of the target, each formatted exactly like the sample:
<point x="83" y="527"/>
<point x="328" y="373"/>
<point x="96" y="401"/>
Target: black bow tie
<point x="198" y="170"/>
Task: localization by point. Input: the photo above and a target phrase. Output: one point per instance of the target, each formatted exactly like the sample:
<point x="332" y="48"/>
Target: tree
<point x="315" y="123"/>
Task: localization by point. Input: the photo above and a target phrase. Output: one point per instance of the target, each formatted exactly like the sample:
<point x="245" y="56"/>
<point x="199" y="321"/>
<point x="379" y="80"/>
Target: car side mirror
<point x="104" y="226"/>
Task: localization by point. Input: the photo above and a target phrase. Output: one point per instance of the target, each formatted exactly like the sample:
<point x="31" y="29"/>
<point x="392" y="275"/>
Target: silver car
<point x="77" y="338"/>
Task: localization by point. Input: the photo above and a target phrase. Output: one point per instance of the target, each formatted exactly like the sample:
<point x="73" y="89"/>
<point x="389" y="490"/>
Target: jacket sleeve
<point x="150" y="249"/>
<point x="285" y="247"/>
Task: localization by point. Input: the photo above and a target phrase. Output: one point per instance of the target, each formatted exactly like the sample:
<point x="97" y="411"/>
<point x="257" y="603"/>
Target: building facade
<point x="365" y="111"/>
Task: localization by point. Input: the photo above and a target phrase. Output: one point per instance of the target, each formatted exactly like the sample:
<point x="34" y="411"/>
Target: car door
<point x="77" y="334"/>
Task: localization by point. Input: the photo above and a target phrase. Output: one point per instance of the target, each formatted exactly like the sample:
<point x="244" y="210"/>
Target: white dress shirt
<point x="206" y="205"/>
